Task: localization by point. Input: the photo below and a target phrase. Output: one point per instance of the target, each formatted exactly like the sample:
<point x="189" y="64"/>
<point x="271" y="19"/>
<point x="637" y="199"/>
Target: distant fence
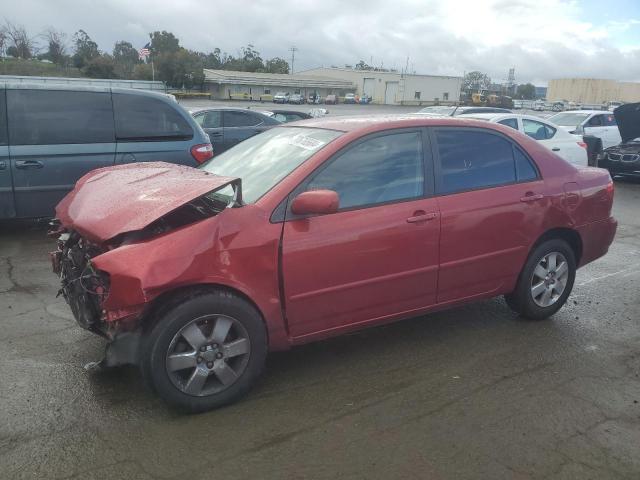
<point x="87" y="82"/>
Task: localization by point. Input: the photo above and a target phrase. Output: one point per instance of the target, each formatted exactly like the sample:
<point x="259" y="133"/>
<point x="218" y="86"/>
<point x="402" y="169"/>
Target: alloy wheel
<point x="549" y="279"/>
<point x="208" y="355"/>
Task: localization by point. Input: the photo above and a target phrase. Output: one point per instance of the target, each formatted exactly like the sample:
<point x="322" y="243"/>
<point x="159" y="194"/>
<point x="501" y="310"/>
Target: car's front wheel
<point x="545" y="281"/>
<point x="205" y="352"/>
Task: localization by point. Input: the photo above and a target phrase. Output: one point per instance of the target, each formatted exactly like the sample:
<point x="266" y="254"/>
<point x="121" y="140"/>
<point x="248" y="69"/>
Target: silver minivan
<point x="51" y="135"/>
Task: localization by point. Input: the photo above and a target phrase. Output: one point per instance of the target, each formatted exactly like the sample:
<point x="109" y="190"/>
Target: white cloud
<point x="542" y="39"/>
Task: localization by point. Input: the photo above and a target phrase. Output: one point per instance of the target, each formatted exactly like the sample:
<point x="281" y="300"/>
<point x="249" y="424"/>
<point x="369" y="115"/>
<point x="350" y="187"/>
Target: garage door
<point x="369" y="86"/>
<point x="390" y="92"/>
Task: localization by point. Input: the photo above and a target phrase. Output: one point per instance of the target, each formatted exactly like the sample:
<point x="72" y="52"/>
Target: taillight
<point x="202" y="152"/>
<point x="582" y="144"/>
<point x="610" y="189"/>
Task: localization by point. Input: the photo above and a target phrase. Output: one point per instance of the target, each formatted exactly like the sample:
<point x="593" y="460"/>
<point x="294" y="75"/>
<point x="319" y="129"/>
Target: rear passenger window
<point x="378" y="170"/>
<point x="48" y="117"/>
<point x="609" y="120"/>
<point x="537" y="130"/>
<point x="240" y="119"/>
<point x="510" y="122"/>
<point x="211" y="119"/>
<point x="524" y="169"/>
<point x="473" y="159"/>
<point x="4" y="136"/>
<point x="139" y="118"/>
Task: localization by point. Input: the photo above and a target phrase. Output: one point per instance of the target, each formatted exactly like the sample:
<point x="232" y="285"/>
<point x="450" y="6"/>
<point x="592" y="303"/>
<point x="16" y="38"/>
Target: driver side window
<point x="378" y="170"/>
<point x="596" y="121"/>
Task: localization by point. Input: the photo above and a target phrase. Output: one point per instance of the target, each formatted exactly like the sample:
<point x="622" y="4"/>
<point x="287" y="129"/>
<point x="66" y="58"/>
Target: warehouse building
<point x="395" y="88"/>
<point x="383" y="87"/>
<point x="228" y="84"/>
<point x="592" y="90"/>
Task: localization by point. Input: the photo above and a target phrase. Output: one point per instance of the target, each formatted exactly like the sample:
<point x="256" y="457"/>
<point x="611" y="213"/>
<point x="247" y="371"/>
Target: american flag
<point x="144" y="52"/>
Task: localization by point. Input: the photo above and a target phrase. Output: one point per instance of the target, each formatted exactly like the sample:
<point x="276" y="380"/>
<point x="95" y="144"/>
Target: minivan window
<point x="48" y="117"/>
<point x="4" y="136"/>
<point x="378" y="170"/>
<point x="473" y="159"/>
<point x="264" y="159"/>
<point x="140" y="117"/>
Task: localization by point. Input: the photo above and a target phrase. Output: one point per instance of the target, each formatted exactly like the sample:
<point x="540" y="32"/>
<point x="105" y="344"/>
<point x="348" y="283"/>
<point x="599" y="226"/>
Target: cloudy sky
<point x="542" y="39"/>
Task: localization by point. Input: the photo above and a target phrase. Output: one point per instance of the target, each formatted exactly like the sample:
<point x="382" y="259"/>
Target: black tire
<point x="158" y="342"/>
<point x="521" y="300"/>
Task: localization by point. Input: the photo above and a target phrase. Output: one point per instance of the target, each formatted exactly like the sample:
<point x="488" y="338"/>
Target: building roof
<point x="379" y="72"/>
<point x="274" y="79"/>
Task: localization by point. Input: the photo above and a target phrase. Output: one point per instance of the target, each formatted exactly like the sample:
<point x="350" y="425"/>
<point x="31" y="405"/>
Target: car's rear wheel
<point x="545" y="282"/>
<point x="205" y="352"/>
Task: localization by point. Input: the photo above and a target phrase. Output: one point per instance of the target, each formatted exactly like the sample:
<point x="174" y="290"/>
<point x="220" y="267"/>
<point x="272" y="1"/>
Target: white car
<point x="564" y="144"/>
<point x="597" y="123"/>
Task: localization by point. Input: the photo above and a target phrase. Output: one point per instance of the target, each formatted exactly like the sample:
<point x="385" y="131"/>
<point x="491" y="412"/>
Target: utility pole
<point x="293" y="50"/>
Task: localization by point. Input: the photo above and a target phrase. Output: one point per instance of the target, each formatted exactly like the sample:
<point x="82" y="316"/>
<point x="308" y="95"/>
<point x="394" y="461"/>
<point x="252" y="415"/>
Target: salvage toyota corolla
<point x="313" y="229"/>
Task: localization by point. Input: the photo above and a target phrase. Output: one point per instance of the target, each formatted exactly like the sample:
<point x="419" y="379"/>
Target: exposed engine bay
<point x="83" y="287"/>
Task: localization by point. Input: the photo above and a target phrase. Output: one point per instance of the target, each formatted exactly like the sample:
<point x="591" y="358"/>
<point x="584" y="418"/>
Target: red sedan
<point x="314" y="229"/>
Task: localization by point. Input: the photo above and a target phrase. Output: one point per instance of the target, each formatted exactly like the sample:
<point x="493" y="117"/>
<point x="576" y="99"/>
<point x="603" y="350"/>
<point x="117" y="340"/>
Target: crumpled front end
<point x="83" y="287"/>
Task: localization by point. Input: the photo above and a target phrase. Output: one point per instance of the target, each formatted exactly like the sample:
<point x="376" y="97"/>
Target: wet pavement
<point x="468" y="393"/>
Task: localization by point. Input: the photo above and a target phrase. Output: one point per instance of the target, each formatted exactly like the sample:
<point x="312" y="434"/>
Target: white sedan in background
<point x="564" y="144"/>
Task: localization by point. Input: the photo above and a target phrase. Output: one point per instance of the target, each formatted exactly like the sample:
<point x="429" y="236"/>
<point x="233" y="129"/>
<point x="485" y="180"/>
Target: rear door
<point x="7" y="208"/>
<point x="240" y="125"/>
<point x="378" y="255"/>
<point x="604" y="127"/>
<point x="150" y="128"/>
<point x="55" y="137"/>
<point x="492" y="204"/>
<point x="211" y="123"/>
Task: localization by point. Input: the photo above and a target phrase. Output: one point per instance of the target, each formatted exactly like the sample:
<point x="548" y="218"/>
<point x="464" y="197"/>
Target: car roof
<point x="584" y="111"/>
<point x="372" y="123"/>
<point x="230" y="109"/>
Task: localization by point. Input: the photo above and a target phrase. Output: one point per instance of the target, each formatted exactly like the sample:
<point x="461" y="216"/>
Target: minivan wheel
<point x="206" y="352"/>
<point x="545" y="281"/>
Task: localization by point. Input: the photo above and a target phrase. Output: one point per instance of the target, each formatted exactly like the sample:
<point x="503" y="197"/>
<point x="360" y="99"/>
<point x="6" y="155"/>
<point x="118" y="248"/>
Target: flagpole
<point x="153" y="70"/>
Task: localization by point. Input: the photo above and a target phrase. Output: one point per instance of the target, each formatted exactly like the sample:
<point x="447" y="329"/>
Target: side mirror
<point x="316" y="202"/>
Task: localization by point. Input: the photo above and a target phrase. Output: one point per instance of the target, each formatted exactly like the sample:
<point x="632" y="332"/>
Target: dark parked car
<point x="624" y="159"/>
<point x="227" y="127"/>
<point x="50" y="136"/>
<point x="338" y="224"/>
<point x="285" y="116"/>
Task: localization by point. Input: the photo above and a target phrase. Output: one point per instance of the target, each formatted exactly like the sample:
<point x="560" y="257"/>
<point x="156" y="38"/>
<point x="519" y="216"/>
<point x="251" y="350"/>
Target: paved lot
<point x="472" y="393"/>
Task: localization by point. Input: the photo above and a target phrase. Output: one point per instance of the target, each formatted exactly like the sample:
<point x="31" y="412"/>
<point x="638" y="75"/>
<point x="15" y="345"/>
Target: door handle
<point x="215" y="134"/>
<point x="555" y="149"/>
<point x="422" y="216"/>
<point x="29" y="164"/>
<point x="531" y="197"/>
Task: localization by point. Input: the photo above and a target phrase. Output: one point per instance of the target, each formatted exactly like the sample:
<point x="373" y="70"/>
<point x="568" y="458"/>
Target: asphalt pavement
<point x="470" y="393"/>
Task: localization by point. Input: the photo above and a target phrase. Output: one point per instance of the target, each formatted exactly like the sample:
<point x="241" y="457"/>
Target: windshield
<point x="265" y="159"/>
<point x="568" y="119"/>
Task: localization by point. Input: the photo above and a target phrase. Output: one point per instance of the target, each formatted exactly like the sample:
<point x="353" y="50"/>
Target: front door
<point x="377" y="256"/>
<point x="491" y="203"/>
<point x="55" y="137"/>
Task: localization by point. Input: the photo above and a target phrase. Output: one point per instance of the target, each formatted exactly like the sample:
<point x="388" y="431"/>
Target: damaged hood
<point x="628" y="120"/>
<point x="126" y="198"/>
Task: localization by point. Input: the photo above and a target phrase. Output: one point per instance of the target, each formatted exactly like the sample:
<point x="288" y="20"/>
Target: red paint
<point x="340" y="271"/>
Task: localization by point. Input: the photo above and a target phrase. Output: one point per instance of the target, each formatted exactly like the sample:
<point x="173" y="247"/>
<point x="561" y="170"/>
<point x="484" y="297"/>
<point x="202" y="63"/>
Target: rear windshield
<point x="263" y="160"/>
<point x="568" y="119"/>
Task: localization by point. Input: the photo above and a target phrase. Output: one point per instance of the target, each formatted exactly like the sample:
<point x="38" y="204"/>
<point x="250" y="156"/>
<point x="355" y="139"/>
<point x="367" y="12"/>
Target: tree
<point x="85" y="49"/>
<point x="142" y="71"/>
<point x="475" y="82"/>
<point x="3" y="42"/>
<point x="101" y="66"/>
<point x="164" y="42"/>
<point x="125" y="58"/>
<point x="277" y="65"/>
<point x="526" y="91"/>
<point x="362" y="65"/>
<point x="20" y="44"/>
<point x="57" y="47"/>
